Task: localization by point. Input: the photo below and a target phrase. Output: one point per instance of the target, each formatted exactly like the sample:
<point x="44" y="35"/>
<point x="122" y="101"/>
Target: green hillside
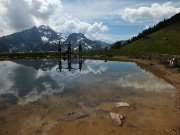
<point x="162" y="42"/>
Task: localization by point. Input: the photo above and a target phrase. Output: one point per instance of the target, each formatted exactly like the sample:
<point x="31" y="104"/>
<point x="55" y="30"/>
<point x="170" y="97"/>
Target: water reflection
<point x="69" y="64"/>
<point x="80" y="64"/>
<point x="29" y="80"/>
<point x="60" y="66"/>
<point x="142" y="82"/>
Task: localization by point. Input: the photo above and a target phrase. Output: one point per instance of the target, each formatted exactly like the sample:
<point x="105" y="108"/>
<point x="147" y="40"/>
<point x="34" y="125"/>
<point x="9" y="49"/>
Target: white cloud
<point x="44" y="9"/>
<point x="4" y="28"/>
<point x="90" y="9"/>
<point x="97" y="27"/>
<point x="147" y="27"/>
<point x="23" y="14"/>
<point x="17" y="14"/>
<point x="156" y="12"/>
<point x="102" y="37"/>
<point x="68" y="24"/>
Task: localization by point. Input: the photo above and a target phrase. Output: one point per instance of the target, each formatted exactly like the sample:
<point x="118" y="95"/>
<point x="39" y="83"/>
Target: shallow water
<point x="37" y="96"/>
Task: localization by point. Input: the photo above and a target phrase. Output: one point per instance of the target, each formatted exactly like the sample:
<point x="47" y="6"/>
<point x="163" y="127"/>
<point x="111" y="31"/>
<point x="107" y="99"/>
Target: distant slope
<point x="164" y="41"/>
<point x="163" y="38"/>
<point x="159" y="26"/>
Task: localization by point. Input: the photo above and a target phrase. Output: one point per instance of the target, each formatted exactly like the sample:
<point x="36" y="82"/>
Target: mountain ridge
<point x="44" y="38"/>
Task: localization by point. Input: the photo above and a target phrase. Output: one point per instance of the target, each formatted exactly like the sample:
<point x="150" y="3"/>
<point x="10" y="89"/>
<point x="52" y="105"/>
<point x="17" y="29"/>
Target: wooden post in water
<point x="80" y="49"/>
<point x="69" y="50"/>
<point x="59" y="54"/>
<point x="59" y="49"/>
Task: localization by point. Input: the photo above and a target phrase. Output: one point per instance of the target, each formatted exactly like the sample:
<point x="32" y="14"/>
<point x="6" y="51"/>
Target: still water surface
<point x="36" y="95"/>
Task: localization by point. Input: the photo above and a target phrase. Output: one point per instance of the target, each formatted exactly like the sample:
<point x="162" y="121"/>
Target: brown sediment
<point x="152" y="115"/>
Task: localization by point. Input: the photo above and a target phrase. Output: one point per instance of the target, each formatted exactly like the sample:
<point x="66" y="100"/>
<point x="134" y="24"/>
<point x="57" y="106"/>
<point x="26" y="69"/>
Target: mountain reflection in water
<point x="28" y="80"/>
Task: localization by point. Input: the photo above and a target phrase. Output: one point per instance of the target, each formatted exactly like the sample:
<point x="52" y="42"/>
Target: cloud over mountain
<point x="23" y="14"/>
<point x="69" y="24"/>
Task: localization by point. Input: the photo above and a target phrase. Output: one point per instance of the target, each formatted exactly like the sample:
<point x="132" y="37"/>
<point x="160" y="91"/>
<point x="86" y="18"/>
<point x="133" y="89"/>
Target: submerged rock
<point x="122" y="104"/>
<point x="73" y="116"/>
<point x="117" y="118"/>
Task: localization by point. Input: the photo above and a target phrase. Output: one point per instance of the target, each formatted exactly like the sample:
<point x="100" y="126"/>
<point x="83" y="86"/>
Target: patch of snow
<point x="34" y="46"/>
<point x="54" y="41"/>
<point x="63" y="38"/>
<point x="22" y="45"/>
<point x="44" y="27"/>
<point x="13" y="48"/>
<point x="47" y="33"/>
<point x="89" y="47"/>
<point x="44" y="39"/>
<point x="80" y="39"/>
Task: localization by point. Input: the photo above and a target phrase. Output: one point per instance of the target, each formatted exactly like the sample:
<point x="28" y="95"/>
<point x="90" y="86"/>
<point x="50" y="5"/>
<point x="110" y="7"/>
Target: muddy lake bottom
<point x="47" y="110"/>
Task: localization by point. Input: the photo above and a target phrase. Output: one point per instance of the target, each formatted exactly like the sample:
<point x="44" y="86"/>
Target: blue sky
<point x="107" y="20"/>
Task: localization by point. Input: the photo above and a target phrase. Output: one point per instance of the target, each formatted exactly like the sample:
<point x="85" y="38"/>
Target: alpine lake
<point x="76" y="97"/>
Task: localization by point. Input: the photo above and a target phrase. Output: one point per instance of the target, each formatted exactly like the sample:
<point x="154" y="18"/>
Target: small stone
<point x="122" y="104"/>
<point x="117" y="118"/>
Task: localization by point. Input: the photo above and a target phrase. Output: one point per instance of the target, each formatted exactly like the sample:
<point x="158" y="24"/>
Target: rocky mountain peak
<point x="77" y="37"/>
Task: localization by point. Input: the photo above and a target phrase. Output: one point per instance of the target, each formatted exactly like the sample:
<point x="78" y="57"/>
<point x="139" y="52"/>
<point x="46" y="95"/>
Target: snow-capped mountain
<point x="87" y="44"/>
<point x="49" y="35"/>
<point x="44" y="38"/>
